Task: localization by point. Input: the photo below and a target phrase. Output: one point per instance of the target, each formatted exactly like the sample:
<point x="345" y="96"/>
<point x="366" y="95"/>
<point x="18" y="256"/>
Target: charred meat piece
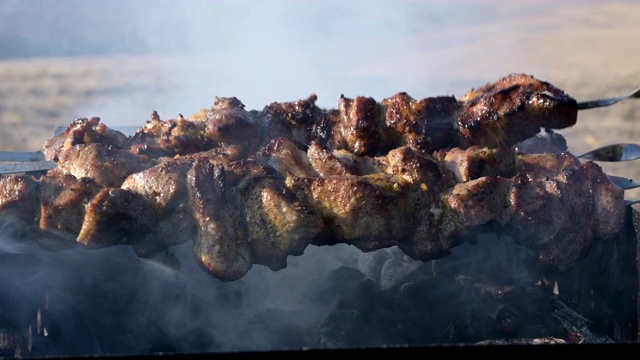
<point x="228" y="123"/>
<point x="19" y="199"/>
<point x="115" y="217"/>
<point x="245" y="215"/>
<point x="242" y="211"/>
<point x="475" y="162"/>
<point x="299" y="121"/>
<point x="84" y="131"/>
<point x="105" y="165"/>
<point x="425" y="124"/>
<point x="499" y="114"/>
<point x="513" y="109"/>
<point x="169" y="137"/>
<point x="63" y="201"/>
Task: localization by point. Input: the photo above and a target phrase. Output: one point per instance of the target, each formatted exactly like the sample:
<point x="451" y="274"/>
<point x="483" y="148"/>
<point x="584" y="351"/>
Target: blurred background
<point x="122" y="59"/>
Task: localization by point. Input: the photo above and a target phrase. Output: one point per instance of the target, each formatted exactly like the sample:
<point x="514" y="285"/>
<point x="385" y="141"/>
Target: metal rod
<point x="606" y="102"/>
<point x="21" y="156"/>
<point x="25" y="167"/>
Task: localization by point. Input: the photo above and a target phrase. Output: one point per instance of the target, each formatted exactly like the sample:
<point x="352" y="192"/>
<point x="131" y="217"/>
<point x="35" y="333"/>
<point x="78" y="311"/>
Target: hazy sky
<point x="283" y="50"/>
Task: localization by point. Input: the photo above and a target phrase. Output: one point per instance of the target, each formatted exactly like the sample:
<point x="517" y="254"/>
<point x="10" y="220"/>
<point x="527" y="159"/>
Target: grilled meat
<point x="254" y="187"/>
<point x="84" y="131"/>
<point x="500" y="114"/>
<point x="241" y="211"/>
<point x="107" y="166"/>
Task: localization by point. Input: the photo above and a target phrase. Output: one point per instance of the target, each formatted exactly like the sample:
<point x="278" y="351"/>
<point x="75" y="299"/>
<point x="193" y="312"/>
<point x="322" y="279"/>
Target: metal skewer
<point x="21" y="156"/>
<point x="24" y="167"/>
<point x="613" y="152"/>
<point x="606" y="102"/>
<point x="623" y="183"/>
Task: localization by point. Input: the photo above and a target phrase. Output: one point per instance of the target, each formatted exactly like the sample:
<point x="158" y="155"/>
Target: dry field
<point x="39" y="95"/>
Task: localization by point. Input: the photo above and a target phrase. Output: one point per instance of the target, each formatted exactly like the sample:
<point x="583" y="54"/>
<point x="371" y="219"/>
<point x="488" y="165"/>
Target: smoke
<point x="257" y="51"/>
<point x="109" y="301"/>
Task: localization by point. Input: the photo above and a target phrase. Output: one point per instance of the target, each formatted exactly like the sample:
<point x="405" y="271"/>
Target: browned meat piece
<point x="240" y="212"/>
<point x="478" y="202"/>
<point x="500" y="114"/>
<point x="62" y="206"/>
<point x="84" y="131"/>
<point x="476" y="161"/>
<point x="425" y="124"/>
<point x="359" y="125"/>
<point x="422" y="170"/>
<point x="115" y="216"/>
<point x="553" y="205"/>
<point x="363" y="209"/>
<point x="222" y="249"/>
<point x="19" y="199"/>
<point x="560" y="216"/>
<point x="356" y="210"/>
<point x="164" y="189"/>
<point x="228" y="123"/>
<point x="512" y="109"/>
<point x="169" y="137"/>
<point x="246" y="216"/>
<point x="296" y="121"/>
<point x="106" y="166"/>
<point x="284" y="156"/>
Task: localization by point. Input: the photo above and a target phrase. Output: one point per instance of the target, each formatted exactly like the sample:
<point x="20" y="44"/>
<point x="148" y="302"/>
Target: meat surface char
<point x="513" y="109"/>
<point x="242" y="211"/>
<point x="254" y="187"/>
<point x="500" y="114"/>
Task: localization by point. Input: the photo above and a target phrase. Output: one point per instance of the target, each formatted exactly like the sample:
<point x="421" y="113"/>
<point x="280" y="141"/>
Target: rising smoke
<point x="109" y="301"/>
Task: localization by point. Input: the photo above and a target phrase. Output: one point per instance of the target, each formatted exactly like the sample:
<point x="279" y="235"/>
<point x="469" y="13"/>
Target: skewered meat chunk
<point x="500" y="114"/>
<point x="106" y="166"/>
<point x="299" y="121"/>
<point x="19" y="199"/>
<point x="245" y="216"/>
<point x="84" y="131"/>
<point x="424" y="124"/>
<point x="115" y="217"/>
<point x="475" y="161"/>
<point x="62" y="206"/>
<point x="170" y="137"/>
<point x="513" y="109"/>
<point x="254" y="187"/>
<point x="242" y="211"/>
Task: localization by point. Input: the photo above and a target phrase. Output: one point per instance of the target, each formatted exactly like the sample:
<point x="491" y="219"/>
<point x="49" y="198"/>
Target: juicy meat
<point x="255" y="187"/>
<point x="63" y="199"/>
<point x="19" y="199"/>
<point x="513" y="109"/>
<point x="243" y="211"/>
<point x="105" y="165"/>
<point x="500" y="114"/>
<point x="84" y="131"/>
<point x="476" y="161"/>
